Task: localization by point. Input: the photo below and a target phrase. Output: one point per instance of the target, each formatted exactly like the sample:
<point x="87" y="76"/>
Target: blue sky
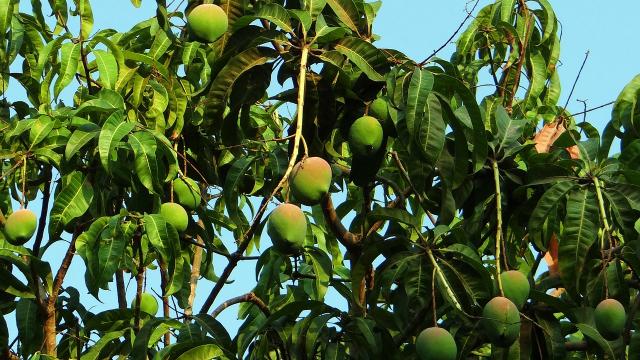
<point x="417" y="27"/>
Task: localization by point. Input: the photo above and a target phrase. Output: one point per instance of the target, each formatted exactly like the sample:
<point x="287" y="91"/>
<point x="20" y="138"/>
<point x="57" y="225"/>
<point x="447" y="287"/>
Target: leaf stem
<point x="443" y="280"/>
<point x="496" y="179"/>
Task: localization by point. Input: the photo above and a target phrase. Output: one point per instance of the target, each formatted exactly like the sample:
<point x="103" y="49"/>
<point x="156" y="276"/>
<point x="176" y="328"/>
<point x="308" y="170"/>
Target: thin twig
<point x="592" y="109"/>
<point x="469" y="13"/>
<point x="586" y="56"/>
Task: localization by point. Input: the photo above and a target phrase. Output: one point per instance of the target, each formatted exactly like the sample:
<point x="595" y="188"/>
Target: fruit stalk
<point x="496" y="180"/>
<point x="246" y="238"/>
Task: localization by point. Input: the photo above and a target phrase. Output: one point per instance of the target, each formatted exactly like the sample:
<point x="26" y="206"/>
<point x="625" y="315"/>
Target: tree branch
<point x="249" y="297"/>
<point x="348" y="239"/>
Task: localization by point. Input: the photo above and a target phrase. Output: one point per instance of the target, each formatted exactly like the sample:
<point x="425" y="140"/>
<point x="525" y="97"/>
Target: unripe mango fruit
<point x="148" y="304"/>
<point x="436" y="343"/>
<point x="20" y="226"/>
<point x="516" y="287"/>
<point x="365" y="136"/>
<point x="175" y="215"/>
<point x="379" y="109"/>
<point x="310" y="180"/>
<point x="287" y="228"/>
<point x="207" y="22"/>
<point x="187" y="192"/>
<point x="501" y="321"/>
<point x="610" y="318"/>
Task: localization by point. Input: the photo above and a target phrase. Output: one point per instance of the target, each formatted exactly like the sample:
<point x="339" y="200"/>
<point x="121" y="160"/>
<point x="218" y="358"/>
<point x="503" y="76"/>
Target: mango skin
<point x="516" y="287"/>
<point x="610" y="317"/>
<point x="436" y="344"/>
<point x="287" y="228"/>
<point x="207" y="22"/>
<point x="365" y="136"/>
<point x="20" y="226"/>
<point x="379" y="109"/>
<point x="175" y="215"/>
<point x="187" y="192"/>
<point x="501" y="321"/>
<point x="310" y="180"/>
<point x="148" y="304"/>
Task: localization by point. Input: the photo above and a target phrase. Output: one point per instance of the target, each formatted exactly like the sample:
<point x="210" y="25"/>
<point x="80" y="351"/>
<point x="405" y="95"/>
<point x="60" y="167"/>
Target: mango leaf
<point x="6" y="11"/>
<point x="509" y="130"/>
<point x="322" y="270"/>
<point x="537" y="69"/>
<point x="506" y="10"/>
<point x="70" y="58"/>
<point x="548" y="21"/>
<point x="396" y="215"/>
<point x="107" y="67"/>
<point x="146" y="59"/>
<point x="547" y="203"/>
<point x="83" y="7"/>
<point x="72" y="202"/>
<point x="206" y="351"/>
<point x="79" y="138"/>
<point x="480" y="147"/>
<point x="234" y="177"/>
<point x="105" y="339"/>
<point x="144" y="148"/>
<point x="29" y="326"/>
<point x="593" y="334"/>
<point x="143" y="339"/>
<point x="347" y="12"/>
<point x="580" y="231"/>
<point x="165" y="240"/>
<point x="112" y="243"/>
<point x="419" y="88"/>
<point x="114" y="129"/>
<point x="364" y="55"/>
<point x="87" y="246"/>
<point x="160" y="45"/>
<point x="276" y="14"/>
<point x="40" y="129"/>
<point x="223" y="83"/>
<point x="136" y="3"/>
<point x="429" y="130"/>
<point x="109" y="320"/>
<point x="314" y="7"/>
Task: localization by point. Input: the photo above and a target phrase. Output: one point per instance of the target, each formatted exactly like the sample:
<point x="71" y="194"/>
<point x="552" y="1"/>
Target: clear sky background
<point x="415" y="27"/>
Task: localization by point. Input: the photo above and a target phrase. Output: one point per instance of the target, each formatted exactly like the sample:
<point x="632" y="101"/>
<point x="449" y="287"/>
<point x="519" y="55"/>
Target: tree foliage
<point x="464" y="186"/>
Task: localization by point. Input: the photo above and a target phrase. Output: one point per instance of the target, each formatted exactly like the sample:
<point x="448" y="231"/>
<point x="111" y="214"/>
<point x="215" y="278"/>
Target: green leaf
<point x="79" y="138"/>
<point x="110" y="251"/>
<point x="29" y="326"/>
<point x="105" y="339"/>
<point x="537" y="69"/>
<point x="396" y="215"/>
<point x="593" y="334"/>
<point x="580" y="232"/>
<point x="547" y="203"/>
<point x="509" y="130"/>
<point x="347" y="12"/>
<point x="72" y="202"/>
<point x="419" y="89"/>
<point x="429" y="130"/>
<point x="480" y="148"/>
<point x="506" y="10"/>
<point x="276" y="14"/>
<point x="107" y="67"/>
<point x="146" y="59"/>
<point x="6" y="12"/>
<point x="364" y="55"/>
<point x="114" y="129"/>
<point x="109" y="320"/>
<point x="144" y="148"/>
<point x="166" y="241"/>
<point x="144" y="339"/>
<point x="322" y="270"/>
<point x="83" y="7"/>
<point x="70" y="58"/>
<point x="160" y="45"/>
<point x="40" y="130"/>
<point x="548" y="21"/>
<point x="136" y="3"/>
<point x="206" y="351"/>
<point x="234" y="177"/>
<point x="223" y="82"/>
<point x="314" y="7"/>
